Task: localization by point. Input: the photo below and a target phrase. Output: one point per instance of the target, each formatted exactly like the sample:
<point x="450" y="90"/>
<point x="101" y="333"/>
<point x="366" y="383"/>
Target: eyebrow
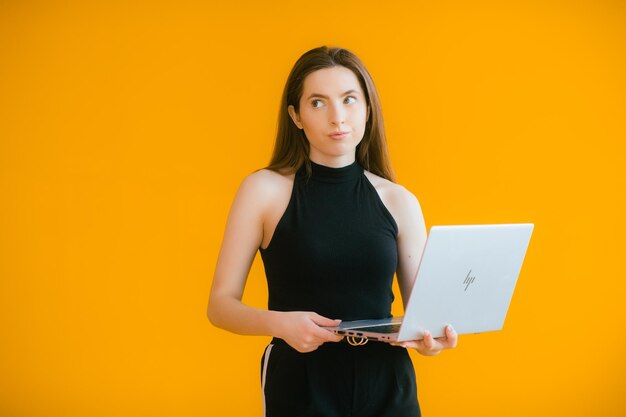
<point x="323" y="96"/>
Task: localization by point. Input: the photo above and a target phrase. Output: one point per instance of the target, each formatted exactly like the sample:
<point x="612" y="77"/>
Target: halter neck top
<point x="334" y="250"/>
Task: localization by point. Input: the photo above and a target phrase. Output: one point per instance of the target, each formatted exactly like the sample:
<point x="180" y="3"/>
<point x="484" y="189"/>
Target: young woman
<point x="332" y="228"/>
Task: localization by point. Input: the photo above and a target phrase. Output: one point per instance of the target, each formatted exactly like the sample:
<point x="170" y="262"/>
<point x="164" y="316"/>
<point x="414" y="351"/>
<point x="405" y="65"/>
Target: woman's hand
<point x="302" y="331"/>
<point x="430" y="346"/>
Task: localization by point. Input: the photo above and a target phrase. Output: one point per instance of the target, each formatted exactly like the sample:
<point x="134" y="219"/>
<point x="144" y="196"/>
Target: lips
<point x="339" y="135"/>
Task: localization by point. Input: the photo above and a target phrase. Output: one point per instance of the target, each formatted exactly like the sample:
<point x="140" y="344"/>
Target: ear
<point x="294" y="116"/>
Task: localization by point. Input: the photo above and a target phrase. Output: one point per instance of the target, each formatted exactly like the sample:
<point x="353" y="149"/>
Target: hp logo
<point x="468" y="280"/>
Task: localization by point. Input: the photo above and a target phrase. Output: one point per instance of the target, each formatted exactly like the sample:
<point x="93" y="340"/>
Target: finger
<point x="413" y="344"/>
<point x="448" y="340"/>
<point x="325" y="335"/>
<point x="428" y="340"/>
<point x="451" y="336"/>
<point x="324" y="321"/>
<point x="336" y="338"/>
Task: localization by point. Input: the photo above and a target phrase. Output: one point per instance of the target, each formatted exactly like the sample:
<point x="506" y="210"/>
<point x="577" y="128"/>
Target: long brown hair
<point x="291" y="149"/>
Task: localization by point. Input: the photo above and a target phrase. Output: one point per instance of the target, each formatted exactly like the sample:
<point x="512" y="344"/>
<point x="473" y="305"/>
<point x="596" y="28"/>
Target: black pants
<point x="339" y="380"/>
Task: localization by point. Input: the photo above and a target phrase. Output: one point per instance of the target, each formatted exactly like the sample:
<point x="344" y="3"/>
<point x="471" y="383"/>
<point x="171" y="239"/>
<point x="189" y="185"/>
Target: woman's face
<point x="332" y="101"/>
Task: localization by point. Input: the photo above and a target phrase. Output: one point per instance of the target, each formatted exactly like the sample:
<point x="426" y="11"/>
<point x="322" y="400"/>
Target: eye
<point x="313" y="102"/>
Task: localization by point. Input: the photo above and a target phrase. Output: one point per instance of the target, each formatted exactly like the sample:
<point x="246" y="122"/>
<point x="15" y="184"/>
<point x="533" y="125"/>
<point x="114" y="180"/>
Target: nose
<point x="337" y="114"/>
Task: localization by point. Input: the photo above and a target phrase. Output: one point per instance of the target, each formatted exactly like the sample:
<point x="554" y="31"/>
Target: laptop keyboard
<point x="387" y="328"/>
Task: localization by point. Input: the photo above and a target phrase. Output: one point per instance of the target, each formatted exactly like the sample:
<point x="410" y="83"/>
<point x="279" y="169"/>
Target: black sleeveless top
<point x="334" y="250"/>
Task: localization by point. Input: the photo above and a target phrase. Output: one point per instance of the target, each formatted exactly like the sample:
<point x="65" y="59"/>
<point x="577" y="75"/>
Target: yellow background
<point x="125" y="131"/>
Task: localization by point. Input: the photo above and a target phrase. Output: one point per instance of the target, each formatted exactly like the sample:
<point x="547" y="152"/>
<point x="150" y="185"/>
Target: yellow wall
<point x="125" y="131"/>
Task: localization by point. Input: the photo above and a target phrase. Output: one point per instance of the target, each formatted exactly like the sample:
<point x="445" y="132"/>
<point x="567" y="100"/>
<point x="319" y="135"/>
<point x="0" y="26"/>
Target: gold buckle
<point x="354" y="342"/>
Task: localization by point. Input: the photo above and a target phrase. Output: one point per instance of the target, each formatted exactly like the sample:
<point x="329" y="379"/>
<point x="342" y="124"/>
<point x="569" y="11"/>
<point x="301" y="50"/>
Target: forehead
<point x="332" y="81"/>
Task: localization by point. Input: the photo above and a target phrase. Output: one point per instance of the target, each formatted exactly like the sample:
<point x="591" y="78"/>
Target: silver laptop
<point x="466" y="278"/>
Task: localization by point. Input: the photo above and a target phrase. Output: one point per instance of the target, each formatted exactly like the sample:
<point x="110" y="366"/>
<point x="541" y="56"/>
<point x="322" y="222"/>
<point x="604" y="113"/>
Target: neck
<point x="334" y="161"/>
<point x="330" y="174"/>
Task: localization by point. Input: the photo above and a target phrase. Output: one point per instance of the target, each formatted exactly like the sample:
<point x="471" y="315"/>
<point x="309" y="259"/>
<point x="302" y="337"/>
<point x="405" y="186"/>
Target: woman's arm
<point x="411" y="244"/>
<point x="411" y="239"/>
<point x="242" y="238"/>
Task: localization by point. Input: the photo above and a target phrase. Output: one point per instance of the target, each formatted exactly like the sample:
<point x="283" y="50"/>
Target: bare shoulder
<point x="264" y="195"/>
<point x="266" y="184"/>
<point x="395" y="197"/>
<point x="401" y="203"/>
